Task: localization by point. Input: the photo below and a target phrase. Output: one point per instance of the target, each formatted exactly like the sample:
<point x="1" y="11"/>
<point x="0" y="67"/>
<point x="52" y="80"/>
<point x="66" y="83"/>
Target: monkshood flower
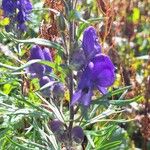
<point x="40" y="71"/>
<point x="36" y="69"/>
<point x="18" y="11"/>
<point x="100" y="74"/>
<point x="90" y="43"/>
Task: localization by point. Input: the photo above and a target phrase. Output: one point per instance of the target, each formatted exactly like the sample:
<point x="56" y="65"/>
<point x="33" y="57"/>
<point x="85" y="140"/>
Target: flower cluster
<point x="18" y="11"/>
<point x="98" y="73"/>
<point x="40" y="71"/>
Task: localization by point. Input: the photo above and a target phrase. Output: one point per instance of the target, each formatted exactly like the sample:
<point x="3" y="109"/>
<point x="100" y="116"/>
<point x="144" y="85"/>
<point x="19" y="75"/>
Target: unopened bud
<point x="43" y="81"/>
<point x="56" y="126"/>
<point x="77" y="134"/>
<point x="58" y="90"/>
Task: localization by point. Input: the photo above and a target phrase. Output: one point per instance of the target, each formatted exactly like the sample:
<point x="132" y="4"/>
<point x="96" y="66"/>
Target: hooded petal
<point x="48" y="57"/>
<point x="90" y="43"/>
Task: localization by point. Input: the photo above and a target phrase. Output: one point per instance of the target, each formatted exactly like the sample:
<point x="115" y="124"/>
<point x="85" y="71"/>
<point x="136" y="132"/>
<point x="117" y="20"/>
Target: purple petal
<point x="56" y="126"/>
<point x="78" y="59"/>
<point x="102" y="73"/>
<point x="103" y="90"/>
<point x="58" y="89"/>
<point x="44" y="80"/>
<point x="76" y="97"/>
<point x="36" y="53"/>
<point x="106" y="78"/>
<point x="48" y="57"/>
<point x="90" y="43"/>
<point x="21" y="17"/>
<point x="86" y="98"/>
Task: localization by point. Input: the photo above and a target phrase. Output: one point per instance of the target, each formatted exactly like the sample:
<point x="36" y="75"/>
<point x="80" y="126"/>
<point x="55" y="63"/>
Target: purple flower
<point x="36" y="69"/>
<point x="90" y="43"/>
<point x="25" y="5"/>
<point x="99" y="73"/>
<point x="9" y="7"/>
<point x="18" y="11"/>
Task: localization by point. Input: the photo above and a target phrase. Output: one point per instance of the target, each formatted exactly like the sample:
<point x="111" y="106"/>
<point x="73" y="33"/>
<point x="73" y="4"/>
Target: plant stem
<point x="71" y="46"/>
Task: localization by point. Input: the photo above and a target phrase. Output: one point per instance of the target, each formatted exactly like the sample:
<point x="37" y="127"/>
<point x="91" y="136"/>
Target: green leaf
<point x="7" y="88"/>
<point x="19" y="145"/>
<point x="33" y="106"/>
<point x="102" y="100"/>
<point x="91" y="141"/>
<point x="8" y="66"/>
<point x="32" y="143"/>
<point x="38" y="41"/>
<point x="125" y="101"/>
<point x="76" y="15"/>
<point x="104" y="114"/>
<point x="109" y="145"/>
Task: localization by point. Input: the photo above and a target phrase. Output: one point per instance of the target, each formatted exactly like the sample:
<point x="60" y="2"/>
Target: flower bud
<point x="77" y="134"/>
<point x="58" y="90"/>
<point x="56" y="126"/>
<point x="78" y="59"/>
<point x="44" y="80"/>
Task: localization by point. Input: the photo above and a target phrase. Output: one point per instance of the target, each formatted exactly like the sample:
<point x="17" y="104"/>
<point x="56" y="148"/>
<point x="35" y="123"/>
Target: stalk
<point x="71" y="87"/>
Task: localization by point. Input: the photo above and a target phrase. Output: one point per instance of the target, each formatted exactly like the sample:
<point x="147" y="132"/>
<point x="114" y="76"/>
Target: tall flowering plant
<point x="63" y="77"/>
